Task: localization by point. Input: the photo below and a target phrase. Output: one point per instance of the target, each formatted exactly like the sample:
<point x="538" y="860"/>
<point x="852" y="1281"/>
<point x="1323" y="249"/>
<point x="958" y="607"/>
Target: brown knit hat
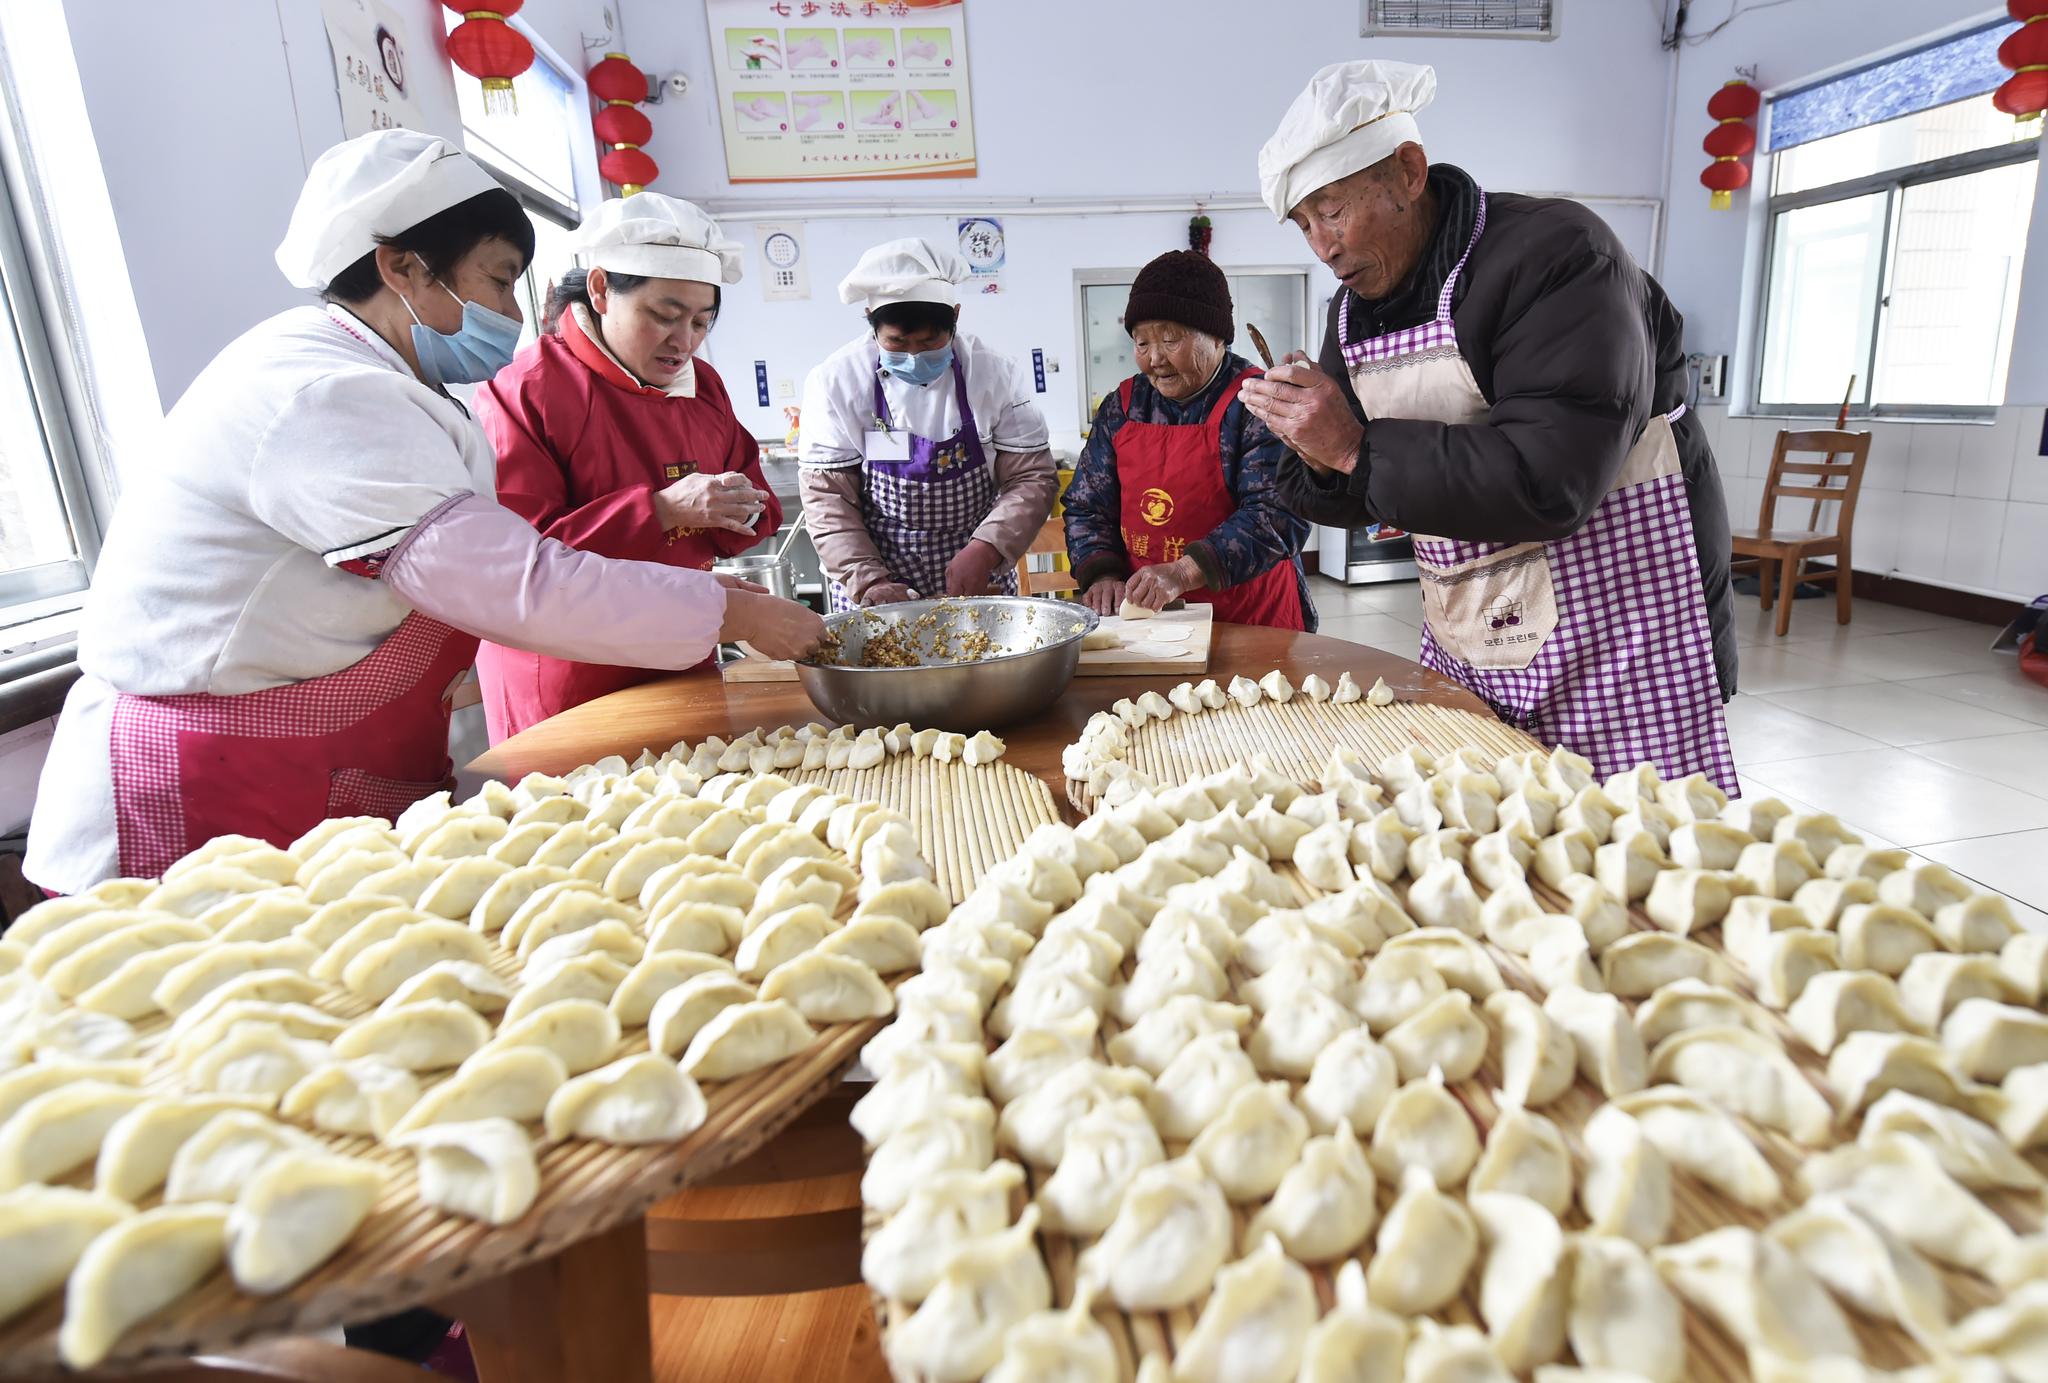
<point x="1185" y="287"/>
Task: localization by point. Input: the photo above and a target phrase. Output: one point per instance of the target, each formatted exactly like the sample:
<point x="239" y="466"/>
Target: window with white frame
<point x="1899" y="203"/>
<point x="49" y="524"/>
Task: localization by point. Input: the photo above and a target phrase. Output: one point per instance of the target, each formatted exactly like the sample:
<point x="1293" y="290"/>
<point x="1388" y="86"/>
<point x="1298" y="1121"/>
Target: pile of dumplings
<point x="814" y="746"/>
<point x="568" y="958"/>
<point x="1475" y="1038"/>
<point x="1100" y="757"/>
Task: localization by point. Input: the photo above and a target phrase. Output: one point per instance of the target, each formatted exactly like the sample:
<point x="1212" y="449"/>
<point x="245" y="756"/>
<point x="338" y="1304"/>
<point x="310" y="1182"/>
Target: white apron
<point x="1600" y="641"/>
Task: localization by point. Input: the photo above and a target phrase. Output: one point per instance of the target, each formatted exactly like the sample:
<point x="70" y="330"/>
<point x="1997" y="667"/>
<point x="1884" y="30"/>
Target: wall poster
<point x="842" y="90"/>
<point x="373" y="66"/>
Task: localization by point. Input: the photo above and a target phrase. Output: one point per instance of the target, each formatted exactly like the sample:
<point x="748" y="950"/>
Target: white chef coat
<point x="839" y="403"/>
<point x="307" y="443"/>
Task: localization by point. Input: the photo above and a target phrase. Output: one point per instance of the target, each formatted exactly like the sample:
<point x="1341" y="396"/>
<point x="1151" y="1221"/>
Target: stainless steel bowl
<point x="1037" y="647"/>
<point x="767" y="570"/>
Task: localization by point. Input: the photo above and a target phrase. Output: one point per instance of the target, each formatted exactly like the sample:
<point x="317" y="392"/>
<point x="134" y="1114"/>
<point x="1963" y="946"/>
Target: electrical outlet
<point x="785" y="389"/>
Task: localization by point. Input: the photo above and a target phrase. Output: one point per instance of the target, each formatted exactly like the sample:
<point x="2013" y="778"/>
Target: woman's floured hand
<point x="780" y="629"/>
<point x="887" y="593"/>
<point x="1156" y="587"/>
<point x="1104" y="596"/>
<point x="727" y="500"/>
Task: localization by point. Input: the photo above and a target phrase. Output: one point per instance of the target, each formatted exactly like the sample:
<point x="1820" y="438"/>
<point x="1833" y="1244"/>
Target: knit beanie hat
<point x="1185" y="287"/>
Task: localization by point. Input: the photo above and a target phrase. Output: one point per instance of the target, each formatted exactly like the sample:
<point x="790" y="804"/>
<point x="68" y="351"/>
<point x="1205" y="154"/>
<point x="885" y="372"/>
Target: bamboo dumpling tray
<point x="1298" y="736"/>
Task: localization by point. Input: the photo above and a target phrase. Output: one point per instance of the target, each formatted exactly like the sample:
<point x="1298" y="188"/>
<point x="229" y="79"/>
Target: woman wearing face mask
<point x="925" y="469"/>
<point x="1174" y="495"/>
<point x="612" y="437"/>
<point x="300" y="572"/>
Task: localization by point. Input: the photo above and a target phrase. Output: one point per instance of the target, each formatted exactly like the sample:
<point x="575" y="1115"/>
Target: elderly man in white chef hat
<point x="1502" y="381"/>
<point x="302" y="566"/>
<point x="925" y="465"/>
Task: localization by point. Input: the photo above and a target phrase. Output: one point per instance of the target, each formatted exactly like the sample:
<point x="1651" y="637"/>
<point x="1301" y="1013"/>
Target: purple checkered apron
<point x="921" y="512"/>
<point x="1598" y="641"/>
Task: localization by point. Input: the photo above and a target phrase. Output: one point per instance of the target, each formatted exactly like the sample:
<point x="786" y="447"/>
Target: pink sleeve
<point x="476" y="565"/>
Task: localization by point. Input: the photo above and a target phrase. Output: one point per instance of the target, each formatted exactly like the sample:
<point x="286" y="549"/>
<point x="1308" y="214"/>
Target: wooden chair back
<point x="1050" y="542"/>
<point x="1834" y="478"/>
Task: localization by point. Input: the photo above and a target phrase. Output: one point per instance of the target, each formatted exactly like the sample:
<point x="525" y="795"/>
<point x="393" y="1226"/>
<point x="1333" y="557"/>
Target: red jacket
<point x="582" y="448"/>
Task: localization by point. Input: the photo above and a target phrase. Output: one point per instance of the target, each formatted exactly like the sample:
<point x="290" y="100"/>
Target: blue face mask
<point x="918" y="367"/>
<point x="472" y="355"/>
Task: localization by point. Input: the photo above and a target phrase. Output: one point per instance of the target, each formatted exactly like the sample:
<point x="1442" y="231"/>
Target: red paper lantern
<point x="616" y="79"/>
<point x="619" y="123"/>
<point x="1730" y="141"/>
<point x="2025" y="51"/>
<point x="488" y="48"/>
<point x="630" y="168"/>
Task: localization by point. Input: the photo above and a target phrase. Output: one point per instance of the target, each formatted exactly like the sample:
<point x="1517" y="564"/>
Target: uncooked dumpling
<point x="829" y="989"/>
<point x="366" y="1096"/>
<point x="903" y="1259"/>
<point x="135" y="1155"/>
<point x="638" y="1099"/>
<point x="1427" y="1244"/>
<point x="1069" y="1345"/>
<point x="1696" y="1135"/>
<point x="294" y="1215"/>
<point x="990" y="1284"/>
<point x="134" y="1269"/>
<point x="1105" y="1149"/>
<point x="1840" y="1002"/>
<point x="482" y="1170"/>
<point x="746" y="1037"/>
<point x="1169" y="1237"/>
<point x="1746" y="1074"/>
<point x="1538" y="1058"/>
<point x="1253" y="1141"/>
<point x="954" y="1134"/>
<point x="1350" y="1084"/>
<point x="1623" y="1317"/>
<point x="420" y="1037"/>
<point x="513" y="1083"/>
<point x="255" y="1059"/>
<point x="1899" y="1183"/>
<point x="1524" y="1282"/>
<point x="216" y="1162"/>
<point x="1444" y="1034"/>
<point x="581" y="1032"/>
<point x="60" y="1129"/>
<point x="1759" y="1293"/>
<point x="1610" y="1050"/>
<point x="1865" y="1265"/>
<point x="1424" y="1125"/>
<point x="43" y="1230"/>
<point x="1627" y="1187"/>
<point x="1969" y="1150"/>
<point x="1989" y="1040"/>
<point x="1525" y="1156"/>
<point x="1324" y="1205"/>
<point x="1255" y="1324"/>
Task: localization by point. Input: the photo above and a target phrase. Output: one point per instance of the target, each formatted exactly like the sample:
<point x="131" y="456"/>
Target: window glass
<point x="1826" y="262"/>
<point x="1958" y="128"/>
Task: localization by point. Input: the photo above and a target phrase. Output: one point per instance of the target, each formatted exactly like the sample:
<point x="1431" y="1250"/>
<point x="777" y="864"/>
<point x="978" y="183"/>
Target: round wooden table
<point x="801" y="1229"/>
<point x="697" y="705"/>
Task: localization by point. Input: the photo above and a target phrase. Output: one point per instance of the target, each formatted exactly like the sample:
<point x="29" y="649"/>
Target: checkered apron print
<point x="1599" y="641"/>
<point x="368" y="740"/>
<point x="922" y="511"/>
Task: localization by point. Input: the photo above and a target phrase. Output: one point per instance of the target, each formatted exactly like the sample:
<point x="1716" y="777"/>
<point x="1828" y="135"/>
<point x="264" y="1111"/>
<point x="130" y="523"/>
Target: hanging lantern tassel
<point x="2025" y="53"/>
<point x="1731" y="141"/>
<point x="492" y="51"/>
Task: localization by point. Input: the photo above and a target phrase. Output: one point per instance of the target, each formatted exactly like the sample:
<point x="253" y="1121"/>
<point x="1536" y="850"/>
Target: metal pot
<point x="1036" y="647"/>
<point x="775" y="573"/>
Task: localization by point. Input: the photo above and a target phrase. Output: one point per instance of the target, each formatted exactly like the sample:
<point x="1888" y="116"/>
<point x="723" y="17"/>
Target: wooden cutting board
<point x="1187" y="630"/>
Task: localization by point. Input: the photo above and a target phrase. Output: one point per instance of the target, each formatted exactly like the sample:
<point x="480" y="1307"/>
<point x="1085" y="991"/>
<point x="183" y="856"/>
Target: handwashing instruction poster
<point x="835" y="90"/>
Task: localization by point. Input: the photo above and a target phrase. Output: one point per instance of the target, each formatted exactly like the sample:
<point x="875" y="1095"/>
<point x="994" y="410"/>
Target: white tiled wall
<point x="1946" y="504"/>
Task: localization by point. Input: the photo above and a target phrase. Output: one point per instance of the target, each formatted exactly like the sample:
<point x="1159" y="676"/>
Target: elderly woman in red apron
<point x="1501" y="380"/>
<point x="925" y="467"/>
<point x="1174" y="495"/>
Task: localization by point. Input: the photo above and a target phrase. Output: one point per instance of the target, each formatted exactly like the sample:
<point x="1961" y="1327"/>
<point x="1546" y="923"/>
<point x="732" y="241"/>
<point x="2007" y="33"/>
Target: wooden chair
<point x="1781" y="554"/>
<point x="1051" y="541"/>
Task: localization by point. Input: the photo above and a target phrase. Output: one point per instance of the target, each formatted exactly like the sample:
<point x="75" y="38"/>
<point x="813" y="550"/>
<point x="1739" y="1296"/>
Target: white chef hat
<point x="367" y="189"/>
<point x="1350" y="116"/>
<point x="905" y="271"/>
<point x="661" y="237"/>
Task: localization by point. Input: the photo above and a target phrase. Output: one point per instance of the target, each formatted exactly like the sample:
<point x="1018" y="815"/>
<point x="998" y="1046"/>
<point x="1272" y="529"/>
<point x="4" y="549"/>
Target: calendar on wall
<point x="785" y="275"/>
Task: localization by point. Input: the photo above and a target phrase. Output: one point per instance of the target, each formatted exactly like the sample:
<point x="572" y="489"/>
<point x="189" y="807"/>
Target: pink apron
<point x="1599" y="641"/>
<point x="369" y="740"/>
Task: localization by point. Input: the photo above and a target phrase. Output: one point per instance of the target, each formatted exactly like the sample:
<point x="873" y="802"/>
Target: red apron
<point x="1171" y="475"/>
<point x="369" y="740"/>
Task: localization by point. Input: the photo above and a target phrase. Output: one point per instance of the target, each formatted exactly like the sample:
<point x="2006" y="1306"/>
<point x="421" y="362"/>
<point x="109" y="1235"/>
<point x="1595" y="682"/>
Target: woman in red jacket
<point x="613" y="438"/>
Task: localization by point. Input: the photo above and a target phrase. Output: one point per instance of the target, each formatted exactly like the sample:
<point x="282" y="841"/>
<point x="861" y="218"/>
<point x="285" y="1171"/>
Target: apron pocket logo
<point x="1155" y="506"/>
<point x="1493" y="612"/>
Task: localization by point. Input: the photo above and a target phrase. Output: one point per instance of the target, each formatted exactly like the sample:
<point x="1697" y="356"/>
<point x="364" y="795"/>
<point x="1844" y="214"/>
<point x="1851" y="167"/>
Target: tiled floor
<point x="1904" y="725"/>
